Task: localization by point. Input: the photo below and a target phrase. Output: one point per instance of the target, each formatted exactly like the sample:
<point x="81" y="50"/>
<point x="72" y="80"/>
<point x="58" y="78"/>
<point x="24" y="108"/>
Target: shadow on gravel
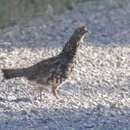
<point x="15" y="100"/>
<point x="98" y="118"/>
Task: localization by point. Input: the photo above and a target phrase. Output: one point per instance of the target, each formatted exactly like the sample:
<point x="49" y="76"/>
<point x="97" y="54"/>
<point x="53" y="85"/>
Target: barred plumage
<point x="55" y="70"/>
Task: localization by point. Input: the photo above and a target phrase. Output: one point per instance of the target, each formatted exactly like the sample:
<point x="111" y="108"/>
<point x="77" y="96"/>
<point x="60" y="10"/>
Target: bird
<point x="53" y="71"/>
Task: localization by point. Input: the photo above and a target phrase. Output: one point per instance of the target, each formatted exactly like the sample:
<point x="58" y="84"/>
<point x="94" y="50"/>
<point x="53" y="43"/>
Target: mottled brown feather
<point x="55" y="70"/>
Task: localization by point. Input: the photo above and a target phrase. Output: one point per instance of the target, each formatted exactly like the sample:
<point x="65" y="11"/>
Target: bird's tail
<point x="12" y="73"/>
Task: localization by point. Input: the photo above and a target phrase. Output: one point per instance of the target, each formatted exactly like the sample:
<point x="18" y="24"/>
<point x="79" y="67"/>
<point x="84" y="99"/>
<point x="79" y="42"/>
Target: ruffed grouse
<point x="52" y="71"/>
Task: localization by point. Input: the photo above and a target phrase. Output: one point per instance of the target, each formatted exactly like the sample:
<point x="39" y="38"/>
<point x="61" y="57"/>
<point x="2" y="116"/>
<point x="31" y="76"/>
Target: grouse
<point x="52" y="71"/>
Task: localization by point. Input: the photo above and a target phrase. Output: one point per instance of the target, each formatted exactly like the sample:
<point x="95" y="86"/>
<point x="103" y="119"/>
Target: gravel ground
<point x="98" y="98"/>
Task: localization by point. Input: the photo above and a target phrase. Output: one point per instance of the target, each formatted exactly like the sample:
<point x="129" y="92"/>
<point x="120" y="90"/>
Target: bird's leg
<point x="54" y="91"/>
<point x="40" y="94"/>
<point x="40" y="90"/>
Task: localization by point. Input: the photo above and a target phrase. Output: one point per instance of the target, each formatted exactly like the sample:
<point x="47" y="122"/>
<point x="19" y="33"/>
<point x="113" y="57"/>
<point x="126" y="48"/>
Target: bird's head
<point x="75" y="40"/>
<point x="77" y="37"/>
<point x="79" y="33"/>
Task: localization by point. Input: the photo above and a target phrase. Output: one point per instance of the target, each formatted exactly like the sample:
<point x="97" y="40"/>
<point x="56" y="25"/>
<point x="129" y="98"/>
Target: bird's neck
<point x="71" y="47"/>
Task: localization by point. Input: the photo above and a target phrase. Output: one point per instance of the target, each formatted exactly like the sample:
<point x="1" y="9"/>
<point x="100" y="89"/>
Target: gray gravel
<point x="98" y="98"/>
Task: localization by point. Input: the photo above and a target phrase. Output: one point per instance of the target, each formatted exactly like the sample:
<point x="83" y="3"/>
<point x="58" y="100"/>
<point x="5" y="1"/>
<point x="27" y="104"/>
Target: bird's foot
<point x="57" y="97"/>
